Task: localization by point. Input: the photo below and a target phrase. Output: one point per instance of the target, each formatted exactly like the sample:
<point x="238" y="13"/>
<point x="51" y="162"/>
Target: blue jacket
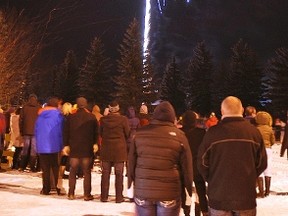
<point x="49" y="130"/>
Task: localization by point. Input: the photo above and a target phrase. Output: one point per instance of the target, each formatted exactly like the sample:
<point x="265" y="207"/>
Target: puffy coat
<point x="49" y="130"/>
<point x="264" y="122"/>
<point x="159" y="156"/>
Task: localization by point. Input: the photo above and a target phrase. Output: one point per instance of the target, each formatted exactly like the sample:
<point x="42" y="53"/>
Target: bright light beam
<point x="147" y="25"/>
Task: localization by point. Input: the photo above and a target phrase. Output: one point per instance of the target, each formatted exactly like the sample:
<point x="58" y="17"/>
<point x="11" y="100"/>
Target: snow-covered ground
<point x="19" y="195"/>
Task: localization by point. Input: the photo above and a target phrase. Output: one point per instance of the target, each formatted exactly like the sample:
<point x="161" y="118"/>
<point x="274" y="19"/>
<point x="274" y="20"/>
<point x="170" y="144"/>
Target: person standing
<point x="160" y="162"/>
<point x="16" y="138"/>
<point x="80" y="137"/>
<point x="27" y="119"/>
<point x="250" y="113"/>
<point x="231" y="157"/>
<point x="195" y="136"/>
<point x="264" y="124"/>
<point x="49" y="143"/>
<point x="114" y="131"/>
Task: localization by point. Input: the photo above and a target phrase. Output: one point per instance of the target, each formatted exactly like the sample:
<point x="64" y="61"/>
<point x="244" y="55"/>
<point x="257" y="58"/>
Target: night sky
<point x="175" y="30"/>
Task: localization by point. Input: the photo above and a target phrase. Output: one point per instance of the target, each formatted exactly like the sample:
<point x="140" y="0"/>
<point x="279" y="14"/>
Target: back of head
<point x="164" y="112"/>
<point x="231" y="106"/>
<point x="113" y="107"/>
<point x="143" y="109"/>
<point x="96" y="109"/>
<point x="250" y="111"/>
<point x="131" y="112"/>
<point x="53" y="102"/>
<point x="67" y="108"/>
<point x="81" y="102"/>
<point x="189" y="119"/>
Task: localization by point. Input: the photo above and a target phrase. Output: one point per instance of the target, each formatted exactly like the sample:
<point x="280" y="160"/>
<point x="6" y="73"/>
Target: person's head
<point x="231" y="106"/>
<point x="114" y="107"/>
<point x="143" y="109"/>
<point x="164" y="112"/>
<point x="81" y="102"/>
<point x="250" y="111"/>
<point x="131" y="112"/>
<point x="53" y="101"/>
<point x="32" y="98"/>
<point x="67" y="108"/>
<point x="263" y="118"/>
<point x="96" y="109"/>
<point x="189" y="119"/>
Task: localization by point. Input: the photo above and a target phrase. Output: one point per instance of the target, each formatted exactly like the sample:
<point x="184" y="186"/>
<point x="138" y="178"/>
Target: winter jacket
<point x="2" y="124"/>
<point x="264" y="122"/>
<point x="81" y="133"/>
<point x="16" y="138"/>
<point x="114" y="131"/>
<point x="28" y="116"/>
<point x="231" y="157"/>
<point x="49" y="130"/>
<point x="158" y="158"/>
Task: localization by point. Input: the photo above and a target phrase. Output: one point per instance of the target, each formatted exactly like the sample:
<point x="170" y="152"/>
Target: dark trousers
<point x="85" y="164"/>
<point x="49" y="162"/>
<point x="157" y="208"/>
<point x="16" y="158"/>
<point x="105" y="179"/>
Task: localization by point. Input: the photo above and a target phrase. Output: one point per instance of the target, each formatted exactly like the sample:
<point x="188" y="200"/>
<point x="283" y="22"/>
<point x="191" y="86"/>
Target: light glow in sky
<point x="147" y="25"/>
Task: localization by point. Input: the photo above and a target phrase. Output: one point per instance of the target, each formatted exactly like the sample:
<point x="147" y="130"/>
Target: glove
<point x="95" y="148"/>
<point x="66" y="150"/>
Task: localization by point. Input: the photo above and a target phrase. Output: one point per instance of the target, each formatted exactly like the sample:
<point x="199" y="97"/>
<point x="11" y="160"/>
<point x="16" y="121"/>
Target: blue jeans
<point x="157" y="208"/>
<point x="250" y="212"/>
<point x="85" y="164"/>
<point x="29" y="143"/>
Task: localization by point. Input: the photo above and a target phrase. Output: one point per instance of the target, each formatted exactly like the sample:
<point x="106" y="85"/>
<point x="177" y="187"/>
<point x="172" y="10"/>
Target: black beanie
<point x="164" y="112"/>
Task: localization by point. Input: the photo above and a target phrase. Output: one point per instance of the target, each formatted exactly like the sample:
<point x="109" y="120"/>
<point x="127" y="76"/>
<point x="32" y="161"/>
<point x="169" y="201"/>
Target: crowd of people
<point x="227" y="159"/>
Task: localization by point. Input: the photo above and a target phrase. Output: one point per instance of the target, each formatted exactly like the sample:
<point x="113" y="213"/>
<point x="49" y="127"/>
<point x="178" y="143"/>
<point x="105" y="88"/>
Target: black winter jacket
<point x="158" y="157"/>
<point x="230" y="158"/>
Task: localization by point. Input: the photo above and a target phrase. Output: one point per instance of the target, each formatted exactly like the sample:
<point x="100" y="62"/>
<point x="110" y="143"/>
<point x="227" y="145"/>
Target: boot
<point x="33" y="163"/>
<point x="186" y="210"/>
<point x="23" y="162"/>
<point x="197" y="209"/>
<point x="267" y="185"/>
<point x="260" y="187"/>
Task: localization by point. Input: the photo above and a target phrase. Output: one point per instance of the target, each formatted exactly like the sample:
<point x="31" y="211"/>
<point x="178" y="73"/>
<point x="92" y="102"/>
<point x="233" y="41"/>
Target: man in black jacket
<point x="81" y="135"/>
<point x="231" y="157"/>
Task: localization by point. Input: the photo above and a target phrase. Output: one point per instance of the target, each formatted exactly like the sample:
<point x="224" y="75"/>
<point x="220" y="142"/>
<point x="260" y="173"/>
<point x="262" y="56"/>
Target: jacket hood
<point x="112" y="120"/>
<point x="164" y="112"/>
<point x="263" y="118"/>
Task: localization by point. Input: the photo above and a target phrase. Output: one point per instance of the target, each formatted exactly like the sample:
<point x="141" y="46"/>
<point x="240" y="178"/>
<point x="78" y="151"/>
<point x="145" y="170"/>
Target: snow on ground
<point x="19" y="194"/>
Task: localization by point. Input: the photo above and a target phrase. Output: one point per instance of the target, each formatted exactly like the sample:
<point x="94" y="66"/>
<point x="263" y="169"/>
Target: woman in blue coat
<point x="49" y="142"/>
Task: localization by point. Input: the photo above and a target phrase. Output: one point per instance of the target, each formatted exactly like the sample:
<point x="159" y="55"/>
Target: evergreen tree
<point x="198" y="80"/>
<point x="149" y="88"/>
<point x="129" y="85"/>
<point x="170" y="89"/>
<point x="276" y="87"/>
<point x="245" y="75"/>
<point x="94" y="81"/>
<point x="69" y="77"/>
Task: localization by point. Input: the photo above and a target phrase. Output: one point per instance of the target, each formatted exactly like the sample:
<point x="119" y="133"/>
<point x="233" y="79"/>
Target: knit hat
<point x="164" y="112"/>
<point x="114" y="107"/>
<point x="143" y="109"/>
<point x="81" y="102"/>
<point x="33" y="96"/>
